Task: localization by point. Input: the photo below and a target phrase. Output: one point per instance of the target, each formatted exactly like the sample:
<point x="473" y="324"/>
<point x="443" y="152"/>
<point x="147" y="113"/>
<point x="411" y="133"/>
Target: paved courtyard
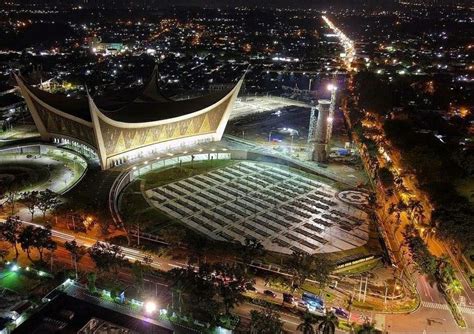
<point x="285" y="210"/>
<point x="257" y="104"/>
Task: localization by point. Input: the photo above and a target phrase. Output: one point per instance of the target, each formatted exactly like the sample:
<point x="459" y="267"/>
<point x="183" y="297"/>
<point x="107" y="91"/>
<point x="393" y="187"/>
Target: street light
<point x="331" y="87"/>
<point x="150" y="307"/>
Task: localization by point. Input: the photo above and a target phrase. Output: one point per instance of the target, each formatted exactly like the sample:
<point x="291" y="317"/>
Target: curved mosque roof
<point x="148" y="106"/>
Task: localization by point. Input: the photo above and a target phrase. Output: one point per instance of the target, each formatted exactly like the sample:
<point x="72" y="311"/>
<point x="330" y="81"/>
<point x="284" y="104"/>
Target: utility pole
<point x="365" y="291"/>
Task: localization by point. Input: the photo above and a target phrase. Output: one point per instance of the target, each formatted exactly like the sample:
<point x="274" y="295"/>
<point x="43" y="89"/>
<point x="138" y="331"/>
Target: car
<point x="269" y="293"/>
<point x="288" y="298"/>
<point x="340" y="312"/>
<point x="249" y="287"/>
<point x="302" y="306"/>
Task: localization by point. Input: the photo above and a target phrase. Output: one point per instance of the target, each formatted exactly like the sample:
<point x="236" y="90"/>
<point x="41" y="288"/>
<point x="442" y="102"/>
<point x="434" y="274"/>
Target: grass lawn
<point x="161" y="177"/>
<point x="17" y="282"/>
<point x="465" y="187"/>
<point x="310" y="287"/>
<point x="359" y="267"/>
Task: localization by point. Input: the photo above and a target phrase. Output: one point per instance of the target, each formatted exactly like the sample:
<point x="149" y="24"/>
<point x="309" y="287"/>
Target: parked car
<point x="302" y="306"/>
<point x="340" y="312"/>
<point x="269" y="293"/>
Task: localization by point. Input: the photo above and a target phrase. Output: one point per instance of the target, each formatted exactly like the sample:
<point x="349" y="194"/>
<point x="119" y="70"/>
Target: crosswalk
<point x="463" y="309"/>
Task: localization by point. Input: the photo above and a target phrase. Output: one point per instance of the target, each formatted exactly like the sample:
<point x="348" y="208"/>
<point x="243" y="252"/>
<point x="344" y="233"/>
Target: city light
<point x="331" y="87"/>
<point x="347" y="44"/>
<point x="14" y="267"/>
<point x="150" y="307"/>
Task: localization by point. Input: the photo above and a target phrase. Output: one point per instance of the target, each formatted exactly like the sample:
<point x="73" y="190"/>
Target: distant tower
<point x="318" y="131"/>
<point x="332" y="88"/>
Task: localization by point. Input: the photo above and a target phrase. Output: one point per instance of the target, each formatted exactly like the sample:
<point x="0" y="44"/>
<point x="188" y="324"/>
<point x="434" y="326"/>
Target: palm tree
<point x="251" y="249"/>
<point x="266" y="321"/>
<point x="301" y="266"/>
<point x="416" y="208"/>
<point x="366" y="328"/>
<point x="445" y="270"/>
<point x="389" y="192"/>
<point x="76" y="251"/>
<point x="454" y="287"/>
<point x="328" y="323"/>
<point x="179" y="280"/>
<point x="306" y="325"/>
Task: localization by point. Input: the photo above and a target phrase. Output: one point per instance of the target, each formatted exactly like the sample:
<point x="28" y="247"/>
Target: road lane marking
<point x="438" y="306"/>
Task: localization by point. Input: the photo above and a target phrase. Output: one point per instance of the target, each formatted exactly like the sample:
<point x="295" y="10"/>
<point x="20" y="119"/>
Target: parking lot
<point x="282" y="208"/>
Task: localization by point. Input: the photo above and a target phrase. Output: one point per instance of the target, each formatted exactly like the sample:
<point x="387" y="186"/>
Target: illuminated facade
<point x="120" y="131"/>
<point x="318" y="131"/>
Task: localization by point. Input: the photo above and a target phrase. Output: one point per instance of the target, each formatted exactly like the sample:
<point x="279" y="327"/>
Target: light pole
<point x="291" y="146"/>
<point x="270" y="136"/>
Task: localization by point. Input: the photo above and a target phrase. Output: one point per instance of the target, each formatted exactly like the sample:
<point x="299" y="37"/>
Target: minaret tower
<point x="318" y="131"/>
<point x="332" y="88"/>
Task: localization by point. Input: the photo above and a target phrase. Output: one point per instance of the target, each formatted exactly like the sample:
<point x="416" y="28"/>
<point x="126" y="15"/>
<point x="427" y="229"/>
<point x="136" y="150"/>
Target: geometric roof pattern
<point x="117" y="128"/>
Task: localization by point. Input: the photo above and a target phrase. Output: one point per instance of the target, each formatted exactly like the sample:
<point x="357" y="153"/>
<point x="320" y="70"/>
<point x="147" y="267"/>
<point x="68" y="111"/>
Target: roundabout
<point x="40" y="167"/>
<point x="354" y="197"/>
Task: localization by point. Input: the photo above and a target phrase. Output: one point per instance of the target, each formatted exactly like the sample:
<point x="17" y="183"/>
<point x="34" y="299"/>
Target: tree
<point x="10" y="230"/>
<point x="386" y="177"/>
<point x="106" y="256"/>
<point x="42" y="240"/>
<point x="366" y="328"/>
<point x="91" y="278"/>
<point x="198" y="246"/>
<point x="397" y="209"/>
<point x="36" y="237"/>
<point x="47" y="200"/>
<point x="11" y="195"/>
<point x="426" y="262"/>
<point x="454" y="221"/>
<point x="76" y="251"/>
<point x="178" y="278"/>
<point x="230" y="291"/>
<point x="416" y="209"/>
<point x="328" y="324"/>
<point x="445" y="270"/>
<point x="138" y="274"/>
<point x="26" y="240"/>
<point x="199" y="290"/>
<point x="132" y="218"/>
<point x="266" y="321"/>
<point x="30" y="199"/>
<point x="231" y="294"/>
<point x="454" y="287"/>
<point x="301" y="266"/>
<point x="252" y="249"/>
<point x="304" y="266"/>
<point x="323" y="268"/>
<point x="306" y="324"/>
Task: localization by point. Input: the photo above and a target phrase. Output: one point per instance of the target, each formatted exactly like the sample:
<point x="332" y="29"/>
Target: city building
<point x="120" y="131"/>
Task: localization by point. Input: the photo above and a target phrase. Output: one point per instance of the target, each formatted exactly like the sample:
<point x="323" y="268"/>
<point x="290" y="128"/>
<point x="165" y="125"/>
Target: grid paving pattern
<point x="285" y="210"/>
